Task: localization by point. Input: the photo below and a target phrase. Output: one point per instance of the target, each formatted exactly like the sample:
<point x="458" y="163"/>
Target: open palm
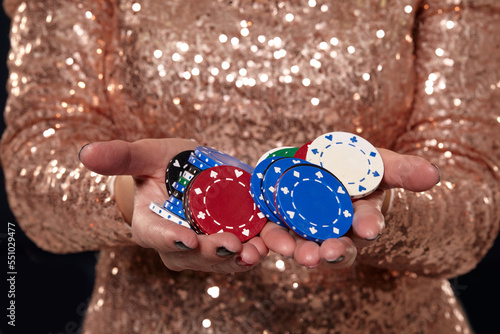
<point x="181" y="248"/>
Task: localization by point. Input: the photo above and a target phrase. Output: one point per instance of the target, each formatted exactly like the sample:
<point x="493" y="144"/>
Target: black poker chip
<point x="193" y="170"/>
<point x="177" y="194"/>
<point x="175" y="168"/>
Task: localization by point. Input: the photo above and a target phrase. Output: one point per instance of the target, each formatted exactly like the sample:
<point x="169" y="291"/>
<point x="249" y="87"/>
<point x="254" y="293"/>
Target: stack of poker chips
<point x="352" y="159"/>
<point x="308" y="189"/>
<point x="211" y="194"/>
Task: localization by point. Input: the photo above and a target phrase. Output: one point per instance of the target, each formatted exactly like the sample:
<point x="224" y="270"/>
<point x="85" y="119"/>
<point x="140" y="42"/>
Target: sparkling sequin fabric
<point x="245" y="76"/>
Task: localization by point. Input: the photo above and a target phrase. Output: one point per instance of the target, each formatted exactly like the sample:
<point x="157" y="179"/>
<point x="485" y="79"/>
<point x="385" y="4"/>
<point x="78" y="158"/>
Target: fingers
<point x="181" y="248"/>
<point x="162" y="235"/>
<point x="260" y="245"/>
<point x="368" y="221"/>
<point x="336" y="253"/>
<point x="143" y="157"/>
<point x="220" y="252"/>
<point x="278" y="239"/>
<point x="307" y="253"/>
<point x="165" y="236"/>
<point x="217" y="247"/>
<point x="408" y="172"/>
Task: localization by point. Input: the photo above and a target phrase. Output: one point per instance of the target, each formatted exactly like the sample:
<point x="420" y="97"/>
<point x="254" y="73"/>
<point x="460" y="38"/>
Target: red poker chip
<point x="219" y="200"/>
<point x="302" y="151"/>
<point x="185" y="201"/>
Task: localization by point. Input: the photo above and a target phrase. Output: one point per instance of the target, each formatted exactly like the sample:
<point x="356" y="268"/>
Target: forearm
<point x="433" y="233"/>
<point x="62" y="206"/>
<point x="447" y="230"/>
<point x="56" y="104"/>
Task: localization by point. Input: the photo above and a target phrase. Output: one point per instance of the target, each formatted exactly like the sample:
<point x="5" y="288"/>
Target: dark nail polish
<point x="180" y="245"/>
<point x="224" y="252"/>
<point x="240" y="262"/>
<point x="439" y="171"/>
<point x="341" y="258"/>
<point x="81" y="149"/>
<point x="375" y="238"/>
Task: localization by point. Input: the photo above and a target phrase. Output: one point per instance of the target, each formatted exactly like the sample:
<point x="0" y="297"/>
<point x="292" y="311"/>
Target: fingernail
<point x="341" y="258"/>
<point x="240" y="262"/>
<point x="374" y="238"/>
<point x="439" y="171"/>
<point x="80" y="152"/>
<point x="223" y="251"/>
<point x="180" y="245"/>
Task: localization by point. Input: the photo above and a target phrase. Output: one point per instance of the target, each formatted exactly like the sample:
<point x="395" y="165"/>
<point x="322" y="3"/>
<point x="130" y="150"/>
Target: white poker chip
<point x="163" y="212"/>
<point x="271" y="151"/>
<point x="187" y="175"/>
<point x="351" y="158"/>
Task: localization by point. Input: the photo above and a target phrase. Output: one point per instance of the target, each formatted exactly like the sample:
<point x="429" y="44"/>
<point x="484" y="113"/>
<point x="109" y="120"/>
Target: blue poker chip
<point x="215" y="158"/>
<point x="179" y="211"/>
<point x="274" y="171"/>
<point x="165" y="213"/>
<point x="175" y="201"/>
<point x="256" y="189"/>
<point x="179" y="187"/>
<point x="314" y="203"/>
<point x="197" y="163"/>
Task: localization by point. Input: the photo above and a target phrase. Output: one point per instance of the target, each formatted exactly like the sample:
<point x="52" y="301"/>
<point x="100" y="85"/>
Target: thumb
<point x="408" y="172"/>
<point x="144" y="157"/>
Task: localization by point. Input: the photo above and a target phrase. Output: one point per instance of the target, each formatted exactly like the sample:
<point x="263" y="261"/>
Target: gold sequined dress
<point x="245" y="76"/>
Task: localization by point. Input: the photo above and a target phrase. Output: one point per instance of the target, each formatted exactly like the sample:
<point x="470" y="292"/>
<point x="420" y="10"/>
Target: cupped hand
<point x="400" y="171"/>
<point x="179" y="247"/>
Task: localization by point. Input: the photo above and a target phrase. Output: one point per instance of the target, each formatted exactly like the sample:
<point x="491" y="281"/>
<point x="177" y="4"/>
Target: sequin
<point x="418" y="77"/>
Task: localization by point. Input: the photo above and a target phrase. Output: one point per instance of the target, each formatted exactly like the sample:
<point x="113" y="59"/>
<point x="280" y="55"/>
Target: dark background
<point x="52" y="291"/>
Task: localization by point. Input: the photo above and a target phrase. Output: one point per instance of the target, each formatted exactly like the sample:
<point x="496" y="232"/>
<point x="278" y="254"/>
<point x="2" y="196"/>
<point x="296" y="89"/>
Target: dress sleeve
<point x="456" y="125"/>
<point x="57" y="102"/>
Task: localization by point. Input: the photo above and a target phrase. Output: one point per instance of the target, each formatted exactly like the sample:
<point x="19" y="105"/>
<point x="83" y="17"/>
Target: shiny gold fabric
<point x="246" y="76"/>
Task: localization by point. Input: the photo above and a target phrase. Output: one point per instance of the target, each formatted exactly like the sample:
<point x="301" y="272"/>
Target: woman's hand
<point x="401" y="171"/>
<point x="143" y="162"/>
